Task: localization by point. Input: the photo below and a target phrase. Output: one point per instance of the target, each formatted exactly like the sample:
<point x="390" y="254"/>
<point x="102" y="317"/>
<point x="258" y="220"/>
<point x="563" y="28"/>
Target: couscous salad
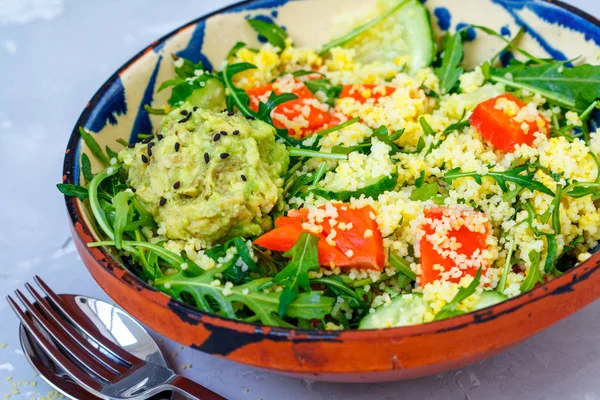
<point x="370" y="183"/>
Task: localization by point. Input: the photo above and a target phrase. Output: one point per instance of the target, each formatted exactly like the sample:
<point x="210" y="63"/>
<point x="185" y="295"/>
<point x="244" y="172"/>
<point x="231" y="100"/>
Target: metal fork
<point x="102" y="368"/>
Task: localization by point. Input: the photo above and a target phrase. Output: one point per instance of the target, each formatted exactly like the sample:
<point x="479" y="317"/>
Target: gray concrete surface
<point x="53" y="57"/>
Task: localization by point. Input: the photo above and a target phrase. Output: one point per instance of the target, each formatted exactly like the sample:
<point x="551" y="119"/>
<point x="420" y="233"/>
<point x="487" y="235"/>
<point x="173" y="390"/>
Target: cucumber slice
<point x="373" y="189"/>
<point x="209" y="97"/>
<point x="405" y="33"/>
<point x="405" y="309"/>
<point x="489" y="298"/>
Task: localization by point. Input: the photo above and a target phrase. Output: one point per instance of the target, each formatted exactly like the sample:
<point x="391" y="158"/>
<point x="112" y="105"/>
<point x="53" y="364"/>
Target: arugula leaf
<point x="458" y="126"/>
<point x="551" y="255"/>
<point x="338" y="127"/>
<point x="264" y="109"/>
<point x="332" y="92"/>
<point x="295" y="152"/>
<point x="236" y="47"/>
<point x="450" y="70"/>
<point x="510" y="44"/>
<point x="69" y="189"/>
<point x="382" y="134"/>
<point x="373" y="190"/>
<point x="582" y="189"/>
<point x="93" y="146"/>
<point x="501" y="177"/>
<point x="304" y="258"/>
<point x="122" y="210"/>
<point x="357" y="31"/>
<point x="449" y="310"/>
<point x="304" y="72"/>
<point x="401" y="266"/>
<point x="534" y="274"/>
<point x="571" y="87"/>
<point x="188" y="68"/>
<point x="236" y="96"/>
<point x="270" y="31"/>
<point x="86" y="167"/>
<point x="244" y="253"/>
<point x="339" y="288"/>
<point x="425" y="192"/>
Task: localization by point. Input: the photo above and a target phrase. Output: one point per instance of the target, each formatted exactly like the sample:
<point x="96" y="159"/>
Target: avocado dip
<point x="208" y="175"/>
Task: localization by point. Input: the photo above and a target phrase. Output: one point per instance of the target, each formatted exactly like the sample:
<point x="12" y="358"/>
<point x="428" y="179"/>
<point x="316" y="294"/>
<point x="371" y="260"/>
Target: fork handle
<point x="193" y="390"/>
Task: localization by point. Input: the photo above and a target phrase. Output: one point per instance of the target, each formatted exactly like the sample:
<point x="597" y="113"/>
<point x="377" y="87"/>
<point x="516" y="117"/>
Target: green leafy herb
<point x="234" y="50"/>
<point x="332" y="92"/>
<point x="339" y="126"/>
<point x="93" y="146"/>
<point x="304" y="258"/>
<point x="264" y="109"/>
<point x="571" y="87"/>
<point x="507" y="264"/>
<point x="86" y="167"/>
<point x="510" y="44"/>
<point x="295" y="152"/>
<point x="401" y="266"/>
<point x="382" y="135"/>
<point x="450" y="69"/>
<point x="534" y="274"/>
<point x="155" y="111"/>
<point x="551" y="254"/>
<point x="501" y="177"/>
<point x="357" y="31"/>
<point x="582" y="189"/>
<point x="449" y="310"/>
<point x="270" y="31"/>
<point x="122" y="209"/>
<point x="69" y="189"/>
<point x="372" y="190"/>
<point x="237" y="97"/>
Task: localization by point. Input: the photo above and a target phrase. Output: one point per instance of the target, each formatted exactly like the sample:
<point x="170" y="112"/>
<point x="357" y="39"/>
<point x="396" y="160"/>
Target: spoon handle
<point x="193" y="390"/>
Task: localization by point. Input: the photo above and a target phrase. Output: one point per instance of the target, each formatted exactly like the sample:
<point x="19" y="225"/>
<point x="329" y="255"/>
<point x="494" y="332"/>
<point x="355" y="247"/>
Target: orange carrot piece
<point x="499" y="127"/>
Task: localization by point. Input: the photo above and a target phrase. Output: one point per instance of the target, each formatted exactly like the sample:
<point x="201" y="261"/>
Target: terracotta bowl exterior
<point x="116" y="111"/>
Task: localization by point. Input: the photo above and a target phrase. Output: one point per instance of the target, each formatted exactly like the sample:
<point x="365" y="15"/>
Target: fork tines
<point x="65" y="337"/>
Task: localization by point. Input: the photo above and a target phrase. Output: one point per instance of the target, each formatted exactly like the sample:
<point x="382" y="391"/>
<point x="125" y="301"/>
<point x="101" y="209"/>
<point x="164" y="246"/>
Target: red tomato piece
<point x="352" y="249"/>
<point x="495" y="121"/>
<point x="302" y="116"/>
<point x="469" y="242"/>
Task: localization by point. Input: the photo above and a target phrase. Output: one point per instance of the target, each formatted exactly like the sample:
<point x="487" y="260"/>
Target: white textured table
<point x="52" y="59"/>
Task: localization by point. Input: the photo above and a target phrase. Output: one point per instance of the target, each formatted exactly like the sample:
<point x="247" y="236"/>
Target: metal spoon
<point x="114" y="324"/>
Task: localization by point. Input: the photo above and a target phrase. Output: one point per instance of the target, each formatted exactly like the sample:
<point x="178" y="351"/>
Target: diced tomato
<point x="495" y="121"/>
<point x="363" y="92"/>
<point x="352" y="249"/>
<point x="302" y="116"/>
<point x="468" y="243"/>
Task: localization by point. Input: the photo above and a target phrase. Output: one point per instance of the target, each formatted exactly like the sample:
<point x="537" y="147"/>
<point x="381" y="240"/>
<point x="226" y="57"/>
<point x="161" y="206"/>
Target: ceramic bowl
<point x="116" y="111"/>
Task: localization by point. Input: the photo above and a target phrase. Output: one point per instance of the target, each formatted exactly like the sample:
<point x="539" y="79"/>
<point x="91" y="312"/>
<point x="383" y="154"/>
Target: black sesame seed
<point x="159" y="137"/>
<point x="144" y="159"/>
<point x="148" y="139"/>
<point x="185" y="119"/>
<point x="176" y="185"/>
<point x="224" y="110"/>
<point x="244" y="178"/>
<point x="195" y="108"/>
<point x="216" y="137"/>
<point x="183" y="112"/>
<point x="236" y="132"/>
<point x="224" y="155"/>
<point x="223" y="133"/>
<point x="177" y="146"/>
<point x="231" y="113"/>
<point x="250" y="117"/>
<point x="151" y="144"/>
<point x="149" y="152"/>
<point x="131" y="145"/>
<point x="206" y="158"/>
<point x="163" y="201"/>
<point x="133" y="189"/>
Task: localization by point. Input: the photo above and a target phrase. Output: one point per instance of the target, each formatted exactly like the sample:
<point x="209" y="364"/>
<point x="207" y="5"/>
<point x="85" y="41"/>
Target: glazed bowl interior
<point x="117" y="112"/>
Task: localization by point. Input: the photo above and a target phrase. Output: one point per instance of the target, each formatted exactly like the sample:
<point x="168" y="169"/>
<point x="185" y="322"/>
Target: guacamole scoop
<point x="208" y="175"/>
